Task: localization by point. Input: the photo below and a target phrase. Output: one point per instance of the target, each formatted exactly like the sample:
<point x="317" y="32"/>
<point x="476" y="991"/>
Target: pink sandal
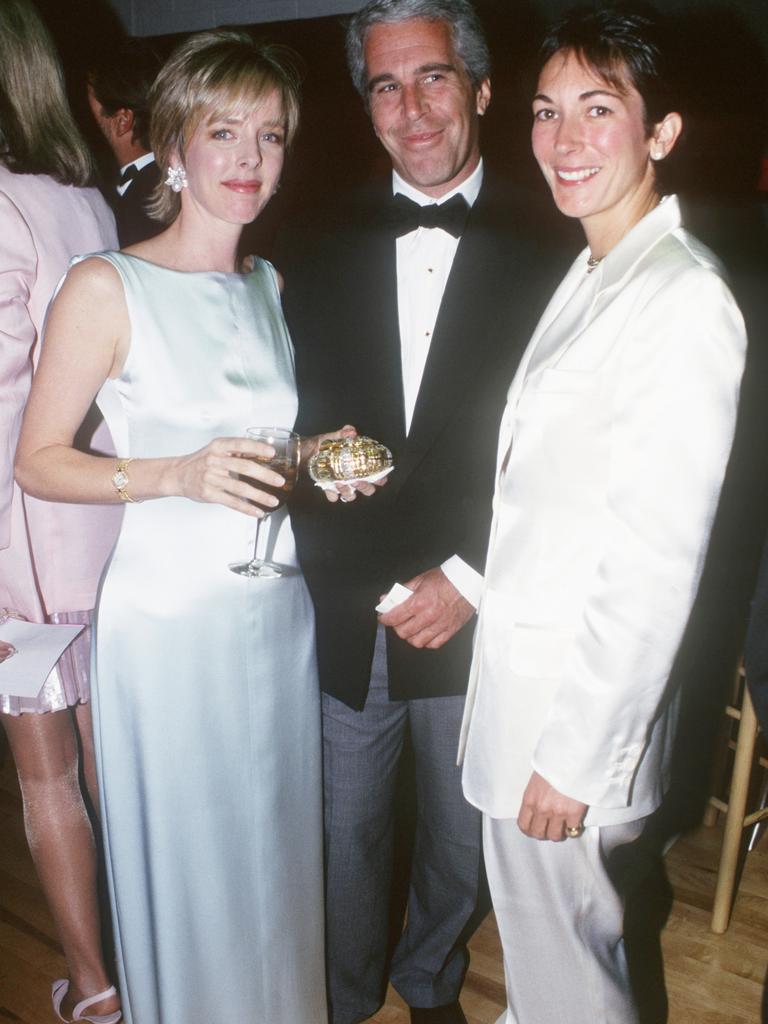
<point x="60" y="989"/>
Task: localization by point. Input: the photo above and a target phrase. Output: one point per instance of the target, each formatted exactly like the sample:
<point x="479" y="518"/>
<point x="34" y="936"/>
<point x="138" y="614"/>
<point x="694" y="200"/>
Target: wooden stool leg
<point x="720" y="765"/>
<point x="710" y="816"/>
<point x="734" y="818"/>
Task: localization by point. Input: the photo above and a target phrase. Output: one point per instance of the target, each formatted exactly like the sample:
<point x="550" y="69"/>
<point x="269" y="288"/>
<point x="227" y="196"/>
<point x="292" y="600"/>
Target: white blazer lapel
<point x="549" y="330"/>
<point x="573" y="317"/>
<point x="571" y="306"/>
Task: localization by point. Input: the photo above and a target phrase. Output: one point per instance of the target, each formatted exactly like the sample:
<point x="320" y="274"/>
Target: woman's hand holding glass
<point x="229" y="471"/>
<point x="284" y="447"/>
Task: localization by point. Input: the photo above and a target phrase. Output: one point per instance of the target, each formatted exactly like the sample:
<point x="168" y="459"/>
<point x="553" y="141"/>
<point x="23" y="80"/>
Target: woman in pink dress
<point x="51" y="556"/>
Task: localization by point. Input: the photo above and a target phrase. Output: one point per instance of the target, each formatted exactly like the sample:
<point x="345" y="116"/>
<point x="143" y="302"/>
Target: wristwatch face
<point x="120" y="479"/>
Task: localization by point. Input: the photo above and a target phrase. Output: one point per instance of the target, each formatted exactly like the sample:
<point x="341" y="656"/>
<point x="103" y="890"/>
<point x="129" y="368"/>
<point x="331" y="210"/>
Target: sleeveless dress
<point x="206" y="707"/>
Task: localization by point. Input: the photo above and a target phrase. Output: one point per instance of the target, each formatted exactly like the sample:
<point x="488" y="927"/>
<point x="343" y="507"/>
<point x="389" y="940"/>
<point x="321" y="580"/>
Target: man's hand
<point x="310" y="446"/>
<point x="546" y="813"/>
<point x="434" y="613"/>
<point x="8" y="650"/>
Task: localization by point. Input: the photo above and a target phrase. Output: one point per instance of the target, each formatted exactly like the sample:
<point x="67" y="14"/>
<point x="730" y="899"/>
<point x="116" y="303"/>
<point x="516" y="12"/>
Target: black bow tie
<point x="451" y="216"/>
<point x="130" y="172"/>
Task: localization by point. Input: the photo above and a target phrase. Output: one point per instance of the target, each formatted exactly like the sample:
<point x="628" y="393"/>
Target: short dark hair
<point x="122" y="77"/>
<point x="621" y="44"/>
<point x="466" y="31"/>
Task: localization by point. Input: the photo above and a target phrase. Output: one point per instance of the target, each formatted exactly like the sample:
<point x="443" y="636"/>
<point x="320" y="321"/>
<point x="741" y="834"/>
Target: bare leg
<point x="61" y="841"/>
<point x="84" y="724"/>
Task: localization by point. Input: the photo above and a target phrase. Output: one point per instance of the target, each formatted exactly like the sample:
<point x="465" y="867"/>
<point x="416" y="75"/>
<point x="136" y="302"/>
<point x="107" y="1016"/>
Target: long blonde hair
<point x="38" y="134"/>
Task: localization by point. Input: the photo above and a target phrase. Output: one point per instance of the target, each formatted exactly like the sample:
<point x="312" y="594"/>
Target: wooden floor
<point x="709" y="979"/>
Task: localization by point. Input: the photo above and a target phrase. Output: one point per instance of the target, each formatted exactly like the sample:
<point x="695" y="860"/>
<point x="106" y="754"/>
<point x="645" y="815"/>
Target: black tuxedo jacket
<point x="340" y="301"/>
<point x="133" y="223"/>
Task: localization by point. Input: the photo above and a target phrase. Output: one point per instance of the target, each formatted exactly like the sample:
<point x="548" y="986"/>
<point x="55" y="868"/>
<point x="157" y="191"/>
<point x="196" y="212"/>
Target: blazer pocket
<point x="569" y="382"/>
<point x="537" y="652"/>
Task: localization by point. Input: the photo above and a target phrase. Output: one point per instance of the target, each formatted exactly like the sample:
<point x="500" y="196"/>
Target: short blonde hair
<point x="210" y="74"/>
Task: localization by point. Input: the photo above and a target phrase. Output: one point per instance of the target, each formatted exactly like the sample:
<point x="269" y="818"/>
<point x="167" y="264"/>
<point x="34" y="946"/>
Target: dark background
<point x="151" y="17"/>
<point x="723" y="50"/>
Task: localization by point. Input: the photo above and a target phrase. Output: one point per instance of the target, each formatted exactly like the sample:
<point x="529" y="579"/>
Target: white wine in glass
<point x="285" y="461"/>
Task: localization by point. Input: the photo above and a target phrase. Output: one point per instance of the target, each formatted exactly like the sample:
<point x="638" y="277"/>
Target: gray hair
<point x="466" y="31"/>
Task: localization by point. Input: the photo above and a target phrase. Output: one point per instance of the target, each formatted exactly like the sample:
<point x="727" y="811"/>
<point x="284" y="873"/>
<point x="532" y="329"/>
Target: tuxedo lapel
<point x="375" y="377"/>
<point x="133" y="222"/>
<point x="461" y="342"/>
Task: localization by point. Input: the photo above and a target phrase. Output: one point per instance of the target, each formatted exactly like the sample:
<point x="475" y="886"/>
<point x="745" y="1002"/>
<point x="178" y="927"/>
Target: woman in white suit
<point x="612" y="452"/>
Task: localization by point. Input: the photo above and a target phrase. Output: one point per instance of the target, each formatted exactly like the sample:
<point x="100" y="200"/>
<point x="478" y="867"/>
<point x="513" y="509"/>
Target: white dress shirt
<point x="138" y="163"/>
<point x="424" y="261"/>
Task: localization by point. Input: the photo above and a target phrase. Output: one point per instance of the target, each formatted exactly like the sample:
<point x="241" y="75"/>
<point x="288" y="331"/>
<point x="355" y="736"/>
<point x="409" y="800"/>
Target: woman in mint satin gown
<point x="206" y="701"/>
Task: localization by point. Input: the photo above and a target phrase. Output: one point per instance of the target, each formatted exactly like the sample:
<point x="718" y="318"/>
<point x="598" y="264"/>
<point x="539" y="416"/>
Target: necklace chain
<point x="595" y="261"/>
<point x="592" y="262"/>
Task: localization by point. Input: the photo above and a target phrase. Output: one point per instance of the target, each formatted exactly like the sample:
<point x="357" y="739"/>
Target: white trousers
<point x="560" y="913"/>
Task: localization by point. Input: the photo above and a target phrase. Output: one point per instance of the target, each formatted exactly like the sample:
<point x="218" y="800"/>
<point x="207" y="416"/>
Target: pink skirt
<point x="69" y="682"/>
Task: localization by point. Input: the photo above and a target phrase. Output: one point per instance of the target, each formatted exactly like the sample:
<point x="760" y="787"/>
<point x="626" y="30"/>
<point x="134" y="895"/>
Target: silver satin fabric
<point x="560" y="912"/>
<point x="206" y="705"/>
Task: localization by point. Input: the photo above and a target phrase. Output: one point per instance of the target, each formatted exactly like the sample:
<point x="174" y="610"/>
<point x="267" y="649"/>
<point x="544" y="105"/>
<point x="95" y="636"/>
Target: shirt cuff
<point x="467" y="581"/>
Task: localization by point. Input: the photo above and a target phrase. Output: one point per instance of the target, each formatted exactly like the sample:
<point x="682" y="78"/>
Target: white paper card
<point x="340" y="485"/>
<point x="38" y="648"/>
<point x="396" y="596"/>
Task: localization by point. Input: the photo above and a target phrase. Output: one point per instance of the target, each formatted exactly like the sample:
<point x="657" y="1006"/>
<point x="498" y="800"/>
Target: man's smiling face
<point x="424" y="108"/>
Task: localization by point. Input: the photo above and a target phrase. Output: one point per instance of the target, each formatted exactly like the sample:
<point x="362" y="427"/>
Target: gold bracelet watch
<point x="120" y="480"/>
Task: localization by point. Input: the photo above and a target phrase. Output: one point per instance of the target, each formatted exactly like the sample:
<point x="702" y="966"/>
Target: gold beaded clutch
<point x="349" y="458"/>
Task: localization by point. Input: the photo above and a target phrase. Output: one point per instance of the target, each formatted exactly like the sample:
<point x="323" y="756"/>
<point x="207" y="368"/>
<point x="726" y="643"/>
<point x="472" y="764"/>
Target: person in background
<point x="51" y="555"/>
<point x="409" y="303"/>
<point x="611" y="457"/>
<point x="118" y="91"/>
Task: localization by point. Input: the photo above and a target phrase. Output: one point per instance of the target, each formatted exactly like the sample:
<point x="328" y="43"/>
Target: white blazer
<point x="612" y="451"/>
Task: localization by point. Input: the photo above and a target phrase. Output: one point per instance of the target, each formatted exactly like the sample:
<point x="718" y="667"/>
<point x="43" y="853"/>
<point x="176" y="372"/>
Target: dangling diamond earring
<point x="177" y="178"/>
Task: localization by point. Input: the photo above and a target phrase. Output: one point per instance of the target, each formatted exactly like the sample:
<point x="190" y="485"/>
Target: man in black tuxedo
<point x="409" y="305"/>
<point x="118" y="87"/>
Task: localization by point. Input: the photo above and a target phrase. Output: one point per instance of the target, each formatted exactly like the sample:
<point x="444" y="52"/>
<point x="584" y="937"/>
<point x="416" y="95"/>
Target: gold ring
<point x="574" y="833"/>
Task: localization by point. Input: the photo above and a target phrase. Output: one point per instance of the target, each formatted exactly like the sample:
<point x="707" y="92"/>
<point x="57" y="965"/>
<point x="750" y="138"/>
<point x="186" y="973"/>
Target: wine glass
<point x="285" y="461"/>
